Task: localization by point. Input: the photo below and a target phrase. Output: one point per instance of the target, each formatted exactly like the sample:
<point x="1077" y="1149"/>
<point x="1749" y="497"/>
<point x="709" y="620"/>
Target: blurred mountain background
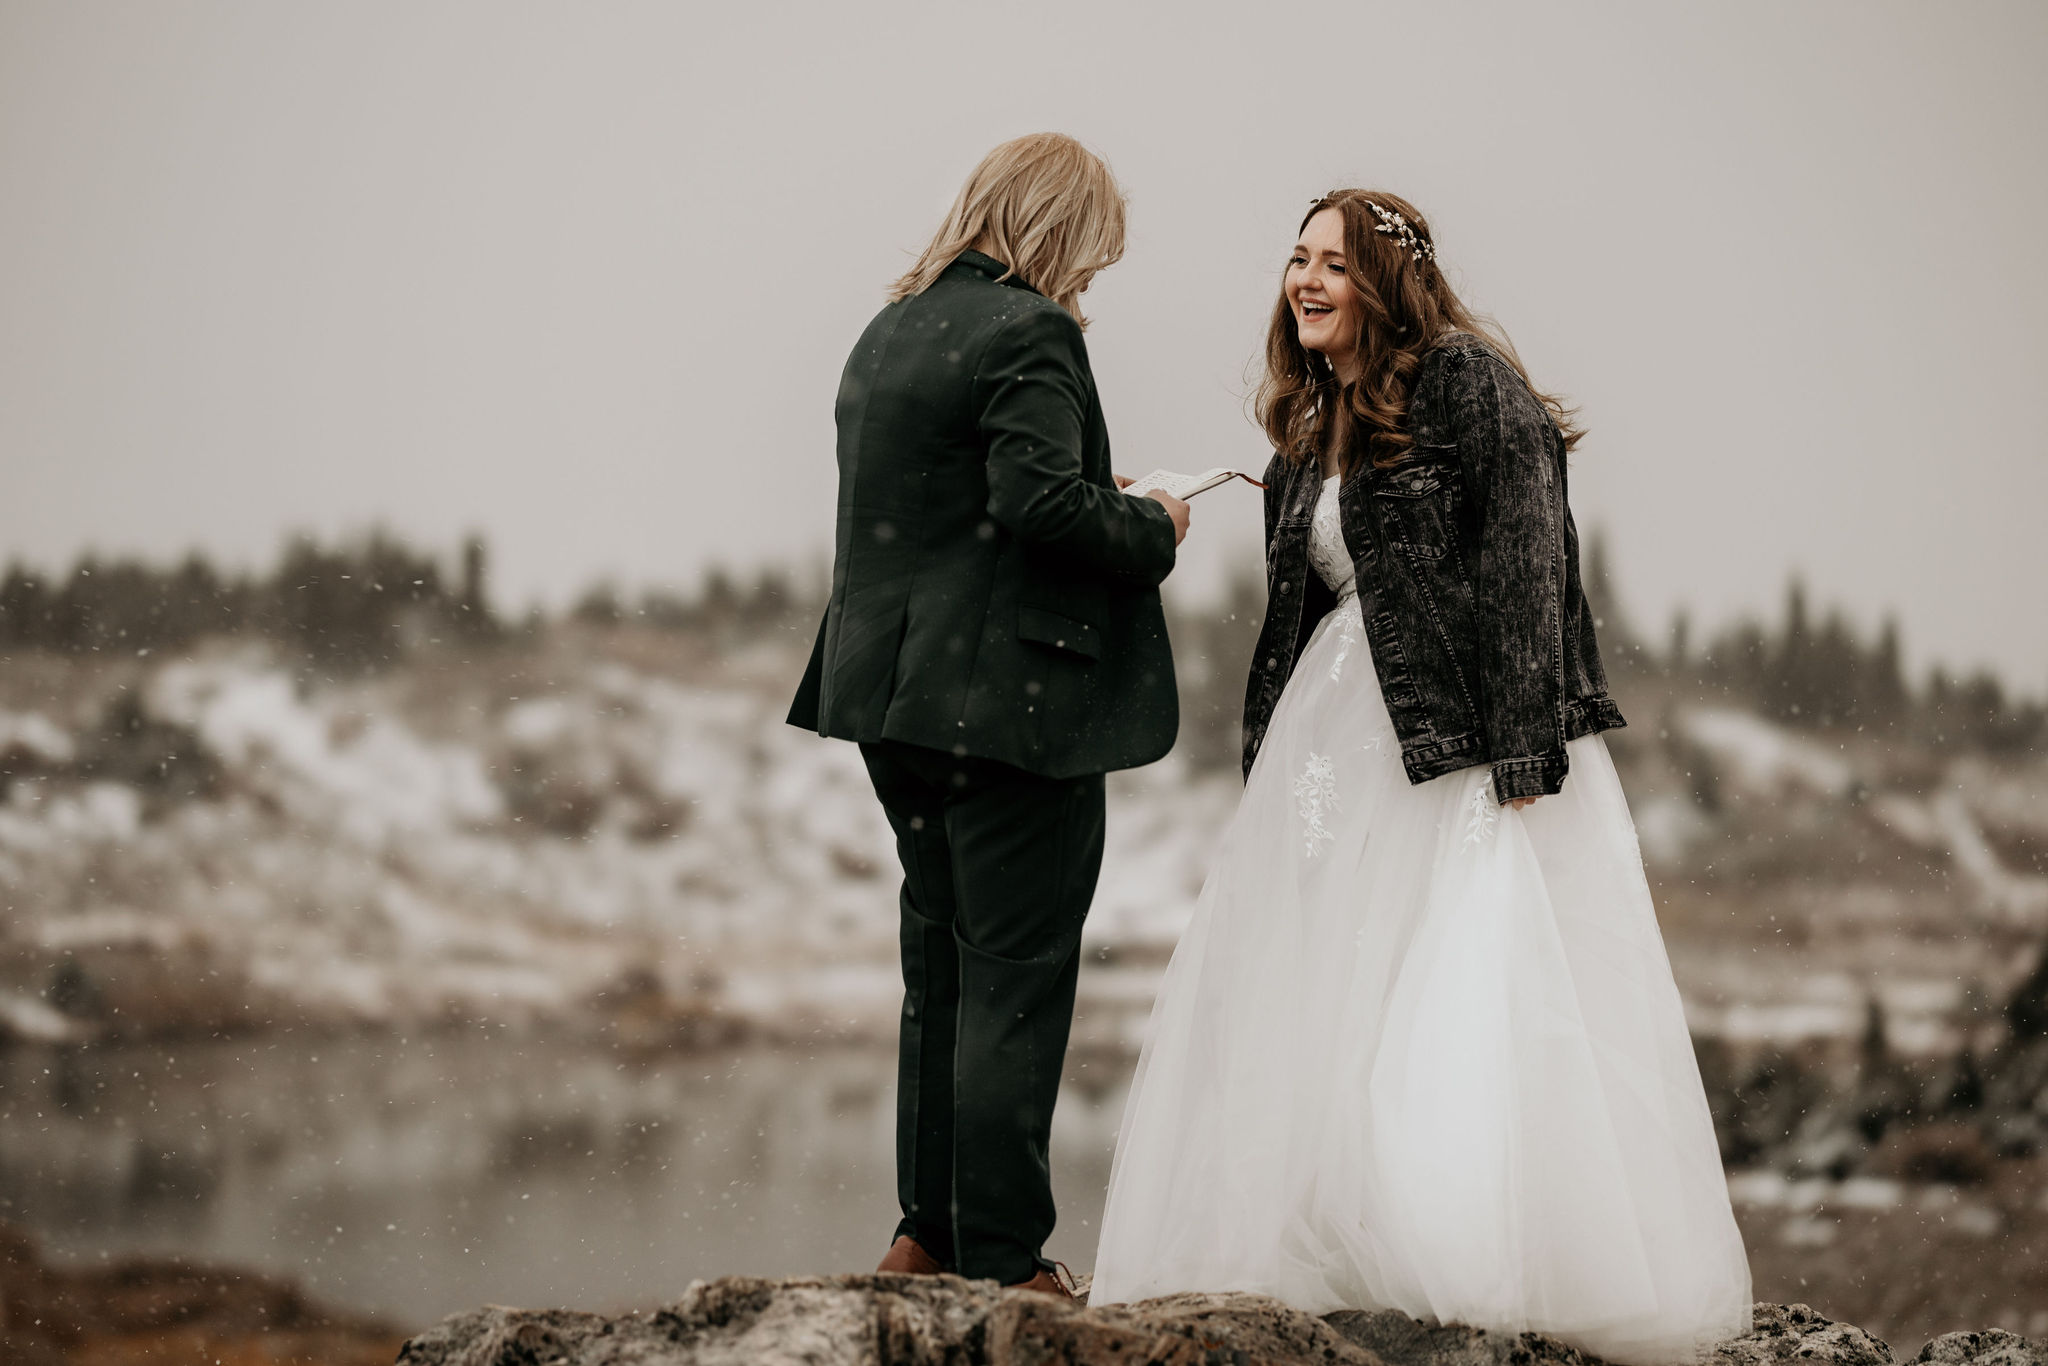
<point x="372" y="948"/>
<point x="346" y="809"/>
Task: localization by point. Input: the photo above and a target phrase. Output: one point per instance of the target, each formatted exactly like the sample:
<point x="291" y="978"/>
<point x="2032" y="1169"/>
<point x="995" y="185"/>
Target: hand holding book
<point x="1186" y="486"/>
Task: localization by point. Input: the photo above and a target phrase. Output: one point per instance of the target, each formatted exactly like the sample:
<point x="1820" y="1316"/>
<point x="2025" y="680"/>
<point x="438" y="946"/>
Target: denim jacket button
<point x="1285" y="585"/>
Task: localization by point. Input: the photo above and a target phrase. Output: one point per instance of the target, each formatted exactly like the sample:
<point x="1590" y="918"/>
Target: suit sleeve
<point x="1032" y="393"/>
<point x="1506" y="447"/>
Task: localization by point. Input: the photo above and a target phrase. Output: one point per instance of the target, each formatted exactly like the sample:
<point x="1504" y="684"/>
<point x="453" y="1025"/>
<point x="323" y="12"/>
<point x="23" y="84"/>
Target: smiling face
<point x="1319" y="293"/>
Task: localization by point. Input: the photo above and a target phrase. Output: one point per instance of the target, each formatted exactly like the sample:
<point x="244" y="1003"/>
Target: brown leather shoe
<point x="1047" y="1283"/>
<point x="907" y="1255"/>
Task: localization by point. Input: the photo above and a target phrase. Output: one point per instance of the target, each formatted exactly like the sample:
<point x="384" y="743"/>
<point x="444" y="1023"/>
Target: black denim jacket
<point x="1468" y="581"/>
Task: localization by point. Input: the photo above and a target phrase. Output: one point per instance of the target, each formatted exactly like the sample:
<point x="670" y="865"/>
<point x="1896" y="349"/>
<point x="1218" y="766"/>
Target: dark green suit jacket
<point x="993" y="593"/>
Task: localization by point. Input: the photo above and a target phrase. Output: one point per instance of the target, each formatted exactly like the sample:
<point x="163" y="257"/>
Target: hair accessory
<point x="1402" y="231"/>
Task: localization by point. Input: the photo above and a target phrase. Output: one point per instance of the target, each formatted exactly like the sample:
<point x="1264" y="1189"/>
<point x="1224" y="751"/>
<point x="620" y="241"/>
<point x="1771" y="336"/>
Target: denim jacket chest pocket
<point x="1416" y="504"/>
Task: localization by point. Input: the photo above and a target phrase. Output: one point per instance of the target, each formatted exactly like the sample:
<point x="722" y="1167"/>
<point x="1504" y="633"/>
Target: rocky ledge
<point x="947" y="1321"/>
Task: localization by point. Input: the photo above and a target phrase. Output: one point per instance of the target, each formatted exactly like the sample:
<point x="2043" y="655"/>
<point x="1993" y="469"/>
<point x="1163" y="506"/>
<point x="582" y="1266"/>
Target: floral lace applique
<point x="1485" y="810"/>
<point x="1316" y="791"/>
<point x="1327" y="553"/>
<point x="1349" y="620"/>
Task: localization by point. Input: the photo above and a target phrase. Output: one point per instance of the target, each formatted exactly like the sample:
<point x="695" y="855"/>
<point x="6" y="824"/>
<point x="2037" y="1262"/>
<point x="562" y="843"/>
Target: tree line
<point x="365" y="601"/>
<point x="1817" y="671"/>
<point x="370" y="600"/>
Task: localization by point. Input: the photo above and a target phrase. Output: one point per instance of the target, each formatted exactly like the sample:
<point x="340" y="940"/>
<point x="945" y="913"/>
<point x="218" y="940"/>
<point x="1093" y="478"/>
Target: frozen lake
<point x="418" y="1177"/>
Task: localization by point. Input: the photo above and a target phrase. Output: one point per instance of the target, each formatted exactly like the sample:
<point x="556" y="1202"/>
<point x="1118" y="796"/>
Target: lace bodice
<point x="1326" y="550"/>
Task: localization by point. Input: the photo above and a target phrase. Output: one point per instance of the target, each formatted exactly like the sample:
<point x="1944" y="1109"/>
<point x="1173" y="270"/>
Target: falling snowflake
<point x="1316" y="790"/>
<point x="1479" y="825"/>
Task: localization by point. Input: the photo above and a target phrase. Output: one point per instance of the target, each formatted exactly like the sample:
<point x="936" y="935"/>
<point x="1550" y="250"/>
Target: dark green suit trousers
<point x="995" y="643"/>
<point x="999" y="867"/>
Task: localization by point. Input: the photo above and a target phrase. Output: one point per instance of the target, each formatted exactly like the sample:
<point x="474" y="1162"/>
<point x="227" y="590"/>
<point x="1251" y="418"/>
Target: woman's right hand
<point x="1175" y="509"/>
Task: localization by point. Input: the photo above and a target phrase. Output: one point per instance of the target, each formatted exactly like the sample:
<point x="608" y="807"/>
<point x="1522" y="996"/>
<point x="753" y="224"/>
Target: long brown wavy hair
<point x="1407" y="305"/>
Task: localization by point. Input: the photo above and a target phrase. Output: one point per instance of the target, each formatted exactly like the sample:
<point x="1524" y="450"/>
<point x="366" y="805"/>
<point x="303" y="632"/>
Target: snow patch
<point x="36" y="736"/>
<point x="1766" y="757"/>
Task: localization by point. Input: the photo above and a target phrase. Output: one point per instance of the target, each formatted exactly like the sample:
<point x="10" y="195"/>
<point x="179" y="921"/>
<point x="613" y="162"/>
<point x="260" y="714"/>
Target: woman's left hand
<point x="1519" y="802"/>
<point x="1123" y="481"/>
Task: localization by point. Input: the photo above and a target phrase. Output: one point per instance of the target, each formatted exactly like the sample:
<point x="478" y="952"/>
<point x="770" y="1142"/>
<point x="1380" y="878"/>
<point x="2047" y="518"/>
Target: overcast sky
<point x="582" y="276"/>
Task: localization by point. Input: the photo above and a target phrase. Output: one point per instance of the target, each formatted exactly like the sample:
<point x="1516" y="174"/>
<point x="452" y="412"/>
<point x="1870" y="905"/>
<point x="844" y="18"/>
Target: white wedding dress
<point x="1420" y="1051"/>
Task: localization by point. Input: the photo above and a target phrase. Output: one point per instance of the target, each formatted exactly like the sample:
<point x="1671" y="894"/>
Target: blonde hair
<point x="1043" y="205"/>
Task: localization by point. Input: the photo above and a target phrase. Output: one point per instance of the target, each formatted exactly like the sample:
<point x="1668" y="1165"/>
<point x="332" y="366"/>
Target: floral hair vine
<point x="1398" y="227"/>
<point x="1402" y="231"/>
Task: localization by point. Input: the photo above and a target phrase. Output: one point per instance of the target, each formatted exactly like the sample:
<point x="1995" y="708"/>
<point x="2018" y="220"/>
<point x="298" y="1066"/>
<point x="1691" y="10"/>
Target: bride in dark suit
<point x="995" y="644"/>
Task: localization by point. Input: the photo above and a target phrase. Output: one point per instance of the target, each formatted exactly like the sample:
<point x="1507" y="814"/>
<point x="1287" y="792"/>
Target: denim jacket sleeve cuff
<point x="1538" y="776"/>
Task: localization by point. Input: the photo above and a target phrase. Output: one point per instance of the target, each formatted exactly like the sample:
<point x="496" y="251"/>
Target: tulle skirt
<point x="1419" y="1051"/>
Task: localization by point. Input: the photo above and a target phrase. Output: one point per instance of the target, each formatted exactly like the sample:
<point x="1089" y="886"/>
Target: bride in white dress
<point x="1420" y="1049"/>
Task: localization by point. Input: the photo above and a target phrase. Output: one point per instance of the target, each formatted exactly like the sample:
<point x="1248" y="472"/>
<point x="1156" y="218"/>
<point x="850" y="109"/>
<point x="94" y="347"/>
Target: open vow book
<point x="1186" y="486"/>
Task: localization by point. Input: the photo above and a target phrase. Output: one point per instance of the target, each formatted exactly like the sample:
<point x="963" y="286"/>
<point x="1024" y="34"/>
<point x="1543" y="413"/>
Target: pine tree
<point x="1679" y="661"/>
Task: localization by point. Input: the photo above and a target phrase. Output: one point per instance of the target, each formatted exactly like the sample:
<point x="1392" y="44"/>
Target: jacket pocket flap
<point x="1060" y="632"/>
<point x="1411" y="481"/>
